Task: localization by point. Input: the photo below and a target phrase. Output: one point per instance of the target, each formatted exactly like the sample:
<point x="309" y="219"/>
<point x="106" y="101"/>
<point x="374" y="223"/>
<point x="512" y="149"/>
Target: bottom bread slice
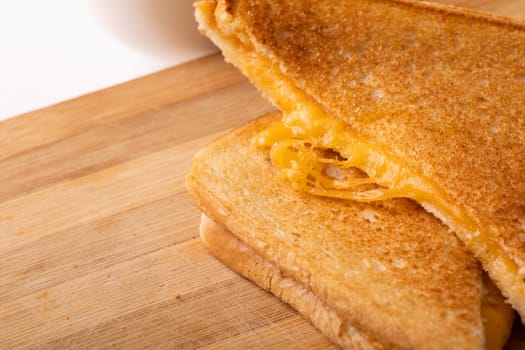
<point x="245" y="261"/>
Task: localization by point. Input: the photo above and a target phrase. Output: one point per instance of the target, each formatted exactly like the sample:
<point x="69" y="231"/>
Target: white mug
<point x="157" y="27"/>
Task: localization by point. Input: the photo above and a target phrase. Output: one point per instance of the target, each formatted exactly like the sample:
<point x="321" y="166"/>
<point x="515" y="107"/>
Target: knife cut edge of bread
<point x="504" y="268"/>
<point x="213" y="186"/>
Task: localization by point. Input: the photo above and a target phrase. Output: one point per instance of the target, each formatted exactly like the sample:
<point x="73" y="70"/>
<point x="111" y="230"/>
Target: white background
<point x="53" y="50"/>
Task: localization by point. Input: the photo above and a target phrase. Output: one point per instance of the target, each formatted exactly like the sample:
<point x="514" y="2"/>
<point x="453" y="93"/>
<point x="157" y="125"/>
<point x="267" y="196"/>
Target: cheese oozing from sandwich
<point x="308" y="144"/>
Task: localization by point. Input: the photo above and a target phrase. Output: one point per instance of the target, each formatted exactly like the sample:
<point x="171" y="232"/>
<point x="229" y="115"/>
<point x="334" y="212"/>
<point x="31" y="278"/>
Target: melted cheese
<point x="497" y="316"/>
<point x="306" y="130"/>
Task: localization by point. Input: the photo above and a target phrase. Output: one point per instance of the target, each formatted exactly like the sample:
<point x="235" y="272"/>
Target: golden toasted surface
<point x="388" y="268"/>
<point x="441" y="88"/>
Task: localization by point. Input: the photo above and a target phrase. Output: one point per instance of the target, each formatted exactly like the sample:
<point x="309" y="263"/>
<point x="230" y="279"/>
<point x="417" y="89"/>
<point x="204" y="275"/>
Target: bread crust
<point x="440" y="87"/>
<point x="244" y="260"/>
<point x="389" y="269"/>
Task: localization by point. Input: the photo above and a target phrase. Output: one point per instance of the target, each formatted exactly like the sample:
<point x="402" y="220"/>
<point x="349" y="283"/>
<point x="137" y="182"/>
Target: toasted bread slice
<point x="380" y="275"/>
<point x="426" y="99"/>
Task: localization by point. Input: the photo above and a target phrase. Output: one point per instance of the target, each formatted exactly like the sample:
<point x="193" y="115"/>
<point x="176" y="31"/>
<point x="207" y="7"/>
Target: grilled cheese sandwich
<point x="299" y="143"/>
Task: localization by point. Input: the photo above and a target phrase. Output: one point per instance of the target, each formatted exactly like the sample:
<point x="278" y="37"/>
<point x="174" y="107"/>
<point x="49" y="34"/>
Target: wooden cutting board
<point x="98" y="239"/>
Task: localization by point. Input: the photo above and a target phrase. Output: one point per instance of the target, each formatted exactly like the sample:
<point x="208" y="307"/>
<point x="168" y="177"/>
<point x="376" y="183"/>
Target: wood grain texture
<point x="98" y="238"/>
